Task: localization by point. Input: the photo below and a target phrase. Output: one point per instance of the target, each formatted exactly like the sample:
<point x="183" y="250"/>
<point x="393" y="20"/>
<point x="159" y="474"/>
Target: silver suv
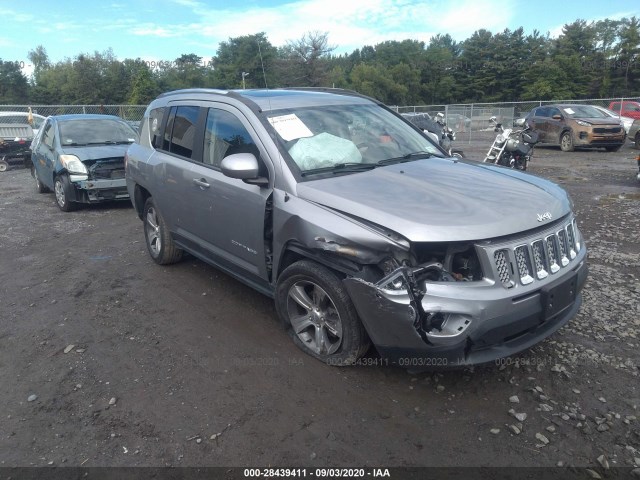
<point x="357" y="225"/>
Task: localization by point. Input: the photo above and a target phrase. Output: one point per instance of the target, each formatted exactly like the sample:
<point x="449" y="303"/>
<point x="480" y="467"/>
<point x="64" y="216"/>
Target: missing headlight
<point x="459" y="261"/>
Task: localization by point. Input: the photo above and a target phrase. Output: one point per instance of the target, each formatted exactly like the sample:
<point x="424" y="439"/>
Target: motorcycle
<point x="437" y="129"/>
<point x="512" y="147"/>
<point x="446" y="137"/>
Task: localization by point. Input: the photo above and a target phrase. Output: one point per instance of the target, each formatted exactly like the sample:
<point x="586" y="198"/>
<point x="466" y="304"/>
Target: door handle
<point x="201" y="182"/>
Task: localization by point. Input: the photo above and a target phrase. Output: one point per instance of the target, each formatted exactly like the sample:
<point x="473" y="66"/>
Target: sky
<point x="162" y="30"/>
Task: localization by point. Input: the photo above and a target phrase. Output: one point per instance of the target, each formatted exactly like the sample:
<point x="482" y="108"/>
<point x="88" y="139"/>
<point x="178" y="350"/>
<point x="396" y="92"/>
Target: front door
<point x="44" y="155"/>
<point x="228" y="215"/>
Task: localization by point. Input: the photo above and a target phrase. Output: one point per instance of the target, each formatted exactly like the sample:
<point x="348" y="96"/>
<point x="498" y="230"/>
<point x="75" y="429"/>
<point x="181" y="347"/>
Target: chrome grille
<point x="562" y="243"/>
<point x="539" y="260"/>
<point x="572" y="242"/>
<point x="539" y="257"/>
<point x="502" y="265"/>
<point x="524" y="264"/>
<point x="552" y="254"/>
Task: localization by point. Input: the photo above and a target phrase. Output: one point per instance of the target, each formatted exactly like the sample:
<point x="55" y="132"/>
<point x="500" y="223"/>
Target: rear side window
<point x="225" y="135"/>
<point x="179" y="134"/>
<point x="542" y="112"/>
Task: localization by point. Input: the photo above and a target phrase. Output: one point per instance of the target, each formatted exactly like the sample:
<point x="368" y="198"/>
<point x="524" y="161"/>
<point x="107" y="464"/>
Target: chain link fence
<point x="132" y="113"/>
<point x="471" y="121"/>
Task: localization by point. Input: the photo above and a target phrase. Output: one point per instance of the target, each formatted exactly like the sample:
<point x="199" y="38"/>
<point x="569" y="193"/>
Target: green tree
<point x="252" y="54"/>
<point x="13" y="83"/>
<point x="308" y="58"/>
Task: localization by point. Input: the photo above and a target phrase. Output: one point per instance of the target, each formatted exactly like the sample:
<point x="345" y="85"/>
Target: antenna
<point x="264" y="75"/>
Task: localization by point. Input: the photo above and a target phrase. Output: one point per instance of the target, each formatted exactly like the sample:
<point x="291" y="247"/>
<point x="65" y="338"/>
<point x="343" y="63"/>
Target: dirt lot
<point x="134" y="364"/>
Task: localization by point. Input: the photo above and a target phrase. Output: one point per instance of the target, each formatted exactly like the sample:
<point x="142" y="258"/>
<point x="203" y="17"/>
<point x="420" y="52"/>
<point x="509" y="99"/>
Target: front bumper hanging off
<point x="475" y="322"/>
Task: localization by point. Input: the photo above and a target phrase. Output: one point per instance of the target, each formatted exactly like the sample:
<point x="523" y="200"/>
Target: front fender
<point x="319" y="229"/>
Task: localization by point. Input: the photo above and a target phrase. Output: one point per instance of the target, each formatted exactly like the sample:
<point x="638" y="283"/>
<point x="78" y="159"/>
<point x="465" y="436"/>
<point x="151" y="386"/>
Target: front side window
<point x="225" y="135"/>
<point x="47" y="136"/>
<point x="348" y="138"/>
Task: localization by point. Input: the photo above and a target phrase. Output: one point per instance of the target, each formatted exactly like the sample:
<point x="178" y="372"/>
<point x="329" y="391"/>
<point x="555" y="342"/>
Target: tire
<point x="319" y="315"/>
<point x="4" y="166"/>
<point x="160" y="245"/>
<point x="566" y="142"/>
<point x="613" y="149"/>
<point x="636" y="139"/>
<point x="457" y="153"/>
<point x="61" y="186"/>
<point x="40" y="187"/>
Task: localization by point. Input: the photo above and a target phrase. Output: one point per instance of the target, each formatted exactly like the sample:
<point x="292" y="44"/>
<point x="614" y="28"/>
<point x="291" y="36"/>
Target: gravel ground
<point x="107" y="359"/>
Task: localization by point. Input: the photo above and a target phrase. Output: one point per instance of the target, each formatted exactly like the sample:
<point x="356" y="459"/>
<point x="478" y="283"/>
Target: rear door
<point x="555" y="126"/>
<point x="170" y="166"/>
<point x="538" y="122"/>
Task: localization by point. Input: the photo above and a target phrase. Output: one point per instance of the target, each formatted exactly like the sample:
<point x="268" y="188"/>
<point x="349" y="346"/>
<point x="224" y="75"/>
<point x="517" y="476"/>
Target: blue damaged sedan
<point x="81" y="158"/>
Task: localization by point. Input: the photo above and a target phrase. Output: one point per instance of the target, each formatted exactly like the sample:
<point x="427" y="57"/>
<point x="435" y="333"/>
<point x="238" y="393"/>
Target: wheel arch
<point x="140" y="196"/>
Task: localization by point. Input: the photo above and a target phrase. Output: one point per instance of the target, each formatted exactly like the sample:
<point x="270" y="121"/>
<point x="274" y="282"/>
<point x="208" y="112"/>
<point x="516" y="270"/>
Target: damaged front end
<point x="99" y="180"/>
<point x="461" y="304"/>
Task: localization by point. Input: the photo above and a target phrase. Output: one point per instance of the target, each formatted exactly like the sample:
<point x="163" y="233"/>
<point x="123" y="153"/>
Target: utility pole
<point x="244" y="74"/>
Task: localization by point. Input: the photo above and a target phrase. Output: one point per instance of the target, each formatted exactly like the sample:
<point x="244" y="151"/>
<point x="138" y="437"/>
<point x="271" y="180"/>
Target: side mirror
<point x="493" y="120"/>
<point x="557" y="116"/>
<point x="519" y="122"/>
<point x="243" y="166"/>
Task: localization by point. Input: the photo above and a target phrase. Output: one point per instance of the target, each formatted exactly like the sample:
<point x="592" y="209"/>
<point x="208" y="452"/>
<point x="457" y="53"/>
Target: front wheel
<point x="4" y="166"/>
<point x="61" y="187"/>
<point x="319" y="315"/>
<point x="160" y="245"/>
<point x="566" y="142"/>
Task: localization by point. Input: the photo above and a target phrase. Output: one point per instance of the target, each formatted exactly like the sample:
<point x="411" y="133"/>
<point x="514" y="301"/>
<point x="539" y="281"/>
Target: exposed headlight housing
<point x="73" y="164"/>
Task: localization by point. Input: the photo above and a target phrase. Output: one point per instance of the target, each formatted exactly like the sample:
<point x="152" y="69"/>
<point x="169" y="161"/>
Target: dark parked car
<point x="17" y="129"/>
<point x="81" y="158"/>
<point x="576" y="125"/>
<point x="357" y="225"/>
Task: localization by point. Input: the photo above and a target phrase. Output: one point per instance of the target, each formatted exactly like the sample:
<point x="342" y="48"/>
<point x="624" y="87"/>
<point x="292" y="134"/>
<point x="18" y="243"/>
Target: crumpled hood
<point x="437" y="199"/>
<point x="96" y="152"/>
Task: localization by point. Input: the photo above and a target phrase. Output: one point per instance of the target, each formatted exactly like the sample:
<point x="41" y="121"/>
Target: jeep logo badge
<point x="544" y="216"/>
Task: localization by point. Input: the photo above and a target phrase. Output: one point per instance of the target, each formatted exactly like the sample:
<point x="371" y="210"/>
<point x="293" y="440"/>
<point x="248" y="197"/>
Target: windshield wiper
<point x="109" y="142"/>
<point x="341" y="168"/>
<point x="406" y="158"/>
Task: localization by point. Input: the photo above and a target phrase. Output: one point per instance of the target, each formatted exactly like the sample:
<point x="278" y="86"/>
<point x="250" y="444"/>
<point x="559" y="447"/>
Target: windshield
<point x="584" y="111"/>
<point x="95" y="131"/>
<point x="347" y="138"/>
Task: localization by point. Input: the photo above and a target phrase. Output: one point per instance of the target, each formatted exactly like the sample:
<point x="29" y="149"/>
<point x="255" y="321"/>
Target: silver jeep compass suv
<point x="357" y="225"/>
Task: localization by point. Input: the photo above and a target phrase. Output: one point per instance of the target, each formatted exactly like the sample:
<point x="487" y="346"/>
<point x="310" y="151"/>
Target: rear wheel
<point x="566" y="142"/>
<point x="61" y="187"/>
<point x="319" y="315"/>
<point x="160" y="245"/>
